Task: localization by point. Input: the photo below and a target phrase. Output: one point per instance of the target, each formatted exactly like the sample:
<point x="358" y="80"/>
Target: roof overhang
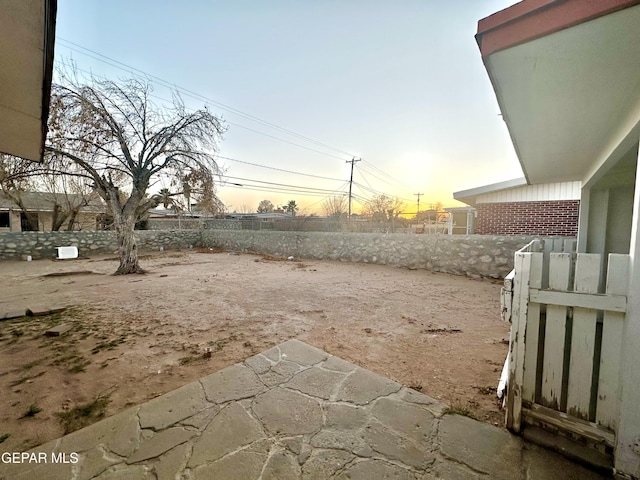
<point x="469" y="196"/>
<point x="27" y="34"/>
<point x="566" y="74"/>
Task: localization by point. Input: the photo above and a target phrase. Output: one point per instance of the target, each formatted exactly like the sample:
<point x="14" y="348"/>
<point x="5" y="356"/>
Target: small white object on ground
<point x="290" y="258"/>
<point x="29" y="258"/>
<point x="162" y="249"/>
<point x="67" y="252"/>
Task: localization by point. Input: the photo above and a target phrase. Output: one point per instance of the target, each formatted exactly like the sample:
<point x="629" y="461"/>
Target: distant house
<point x="263" y="217"/>
<point x="40" y="208"/>
<point x="461" y="220"/>
<point x="516" y="208"/>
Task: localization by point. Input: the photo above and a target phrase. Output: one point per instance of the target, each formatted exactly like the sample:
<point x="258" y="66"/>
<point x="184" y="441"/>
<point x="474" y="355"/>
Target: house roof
<point x="518" y="190"/>
<point x="268" y="215"/>
<point x="566" y="75"/>
<point x="44" y="202"/>
<point x="469" y="196"/>
<point x="27" y="35"/>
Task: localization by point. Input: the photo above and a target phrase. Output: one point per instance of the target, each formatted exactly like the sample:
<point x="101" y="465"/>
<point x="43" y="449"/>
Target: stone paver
<point x="177" y="405"/>
<point x="482" y="447"/>
<point x="233" y="383"/>
<point x="294" y="412"/>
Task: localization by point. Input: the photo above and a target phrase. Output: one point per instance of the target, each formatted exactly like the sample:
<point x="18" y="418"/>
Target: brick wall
<point x="558" y="217"/>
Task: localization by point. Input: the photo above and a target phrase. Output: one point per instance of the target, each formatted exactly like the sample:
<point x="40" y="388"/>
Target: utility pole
<point x="418" y="214"/>
<point x="352" y="162"/>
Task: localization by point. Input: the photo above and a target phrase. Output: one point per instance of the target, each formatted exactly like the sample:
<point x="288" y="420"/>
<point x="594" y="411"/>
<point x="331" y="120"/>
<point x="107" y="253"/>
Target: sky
<point x="306" y="86"/>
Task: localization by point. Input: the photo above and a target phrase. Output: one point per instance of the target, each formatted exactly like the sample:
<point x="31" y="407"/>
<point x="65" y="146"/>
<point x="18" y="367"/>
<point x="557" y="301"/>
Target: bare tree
<point x="335" y="206"/>
<point x="119" y="140"/>
<point x="265" y="206"/>
<point x="383" y="207"/>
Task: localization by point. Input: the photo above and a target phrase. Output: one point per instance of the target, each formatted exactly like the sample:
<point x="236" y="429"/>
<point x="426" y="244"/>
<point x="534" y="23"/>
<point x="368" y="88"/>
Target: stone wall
<point x="17" y="245"/>
<point x="474" y="255"/>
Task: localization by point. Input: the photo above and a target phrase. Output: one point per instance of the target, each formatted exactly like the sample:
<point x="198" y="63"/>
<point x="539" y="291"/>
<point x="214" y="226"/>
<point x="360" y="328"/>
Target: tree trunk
<point x="58" y="218"/>
<point x="127" y="248"/>
<point x="72" y="218"/>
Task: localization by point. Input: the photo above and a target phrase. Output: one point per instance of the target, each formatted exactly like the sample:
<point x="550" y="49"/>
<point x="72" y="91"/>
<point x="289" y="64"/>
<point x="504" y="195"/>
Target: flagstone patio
<point x="292" y="412"/>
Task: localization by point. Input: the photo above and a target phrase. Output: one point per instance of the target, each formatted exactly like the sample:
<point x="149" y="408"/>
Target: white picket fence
<point x="564" y="353"/>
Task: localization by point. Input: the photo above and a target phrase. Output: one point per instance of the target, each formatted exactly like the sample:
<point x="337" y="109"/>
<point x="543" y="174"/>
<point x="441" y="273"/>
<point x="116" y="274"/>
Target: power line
<point x="117" y="64"/>
<point x="385" y="174"/>
<point x="278" y="190"/>
<point x="279" y="169"/>
<point x="324" y="190"/>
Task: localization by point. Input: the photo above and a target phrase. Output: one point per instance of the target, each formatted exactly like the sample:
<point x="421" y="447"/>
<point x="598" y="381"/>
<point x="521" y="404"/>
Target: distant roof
<point x="44" y="201"/>
<point x="260" y="215"/>
<point x="27" y="37"/>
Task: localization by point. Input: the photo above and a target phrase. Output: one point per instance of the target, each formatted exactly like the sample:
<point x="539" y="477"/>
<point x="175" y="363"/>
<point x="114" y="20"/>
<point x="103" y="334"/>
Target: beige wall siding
<point x="534" y="193"/>
<point x="84" y="221"/>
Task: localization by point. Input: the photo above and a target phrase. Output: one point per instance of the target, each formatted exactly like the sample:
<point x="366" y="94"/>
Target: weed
<point x="83" y="415"/>
<point x="187" y="360"/>
<point x="21" y="380"/>
<point x="79" y="366"/>
<point x="487" y="390"/>
<point x="458" y="409"/>
<point x="108" y="345"/>
<point x="415" y="385"/>
<point x="29" y="365"/>
<point x="17" y="332"/>
<point x="32" y="411"/>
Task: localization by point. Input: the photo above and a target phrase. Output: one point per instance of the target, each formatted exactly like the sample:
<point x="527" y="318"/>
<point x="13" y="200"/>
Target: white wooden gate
<point x="564" y="350"/>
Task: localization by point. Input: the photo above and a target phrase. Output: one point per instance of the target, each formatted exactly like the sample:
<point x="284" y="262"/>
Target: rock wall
<point x="17" y="245"/>
<point x="475" y="256"/>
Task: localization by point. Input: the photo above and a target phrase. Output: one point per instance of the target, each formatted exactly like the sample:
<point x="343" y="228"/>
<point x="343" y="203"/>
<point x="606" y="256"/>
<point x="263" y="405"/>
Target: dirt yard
<point x="136" y="337"/>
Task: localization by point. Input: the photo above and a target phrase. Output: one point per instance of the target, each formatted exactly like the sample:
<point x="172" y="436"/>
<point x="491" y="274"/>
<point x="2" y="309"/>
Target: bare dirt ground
<point x="136" y="337"/>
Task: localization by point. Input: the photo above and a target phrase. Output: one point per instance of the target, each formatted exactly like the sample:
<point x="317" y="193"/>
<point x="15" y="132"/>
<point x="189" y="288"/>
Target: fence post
<point x="522" y="266"/>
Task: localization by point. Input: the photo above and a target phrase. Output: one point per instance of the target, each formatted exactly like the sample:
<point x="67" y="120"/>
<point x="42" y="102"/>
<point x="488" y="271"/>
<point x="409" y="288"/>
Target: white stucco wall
<point x="534" y="193"/>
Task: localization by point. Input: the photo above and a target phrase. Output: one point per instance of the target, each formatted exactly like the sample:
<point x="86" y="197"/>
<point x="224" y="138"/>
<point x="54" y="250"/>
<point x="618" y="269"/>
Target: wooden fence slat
<point x="612" y="303"/>
<point x="548" y="248"/>
<point x="583" y="338"/>
<point x="553" y="360"/>
<point x="569" y="245"/>
<point x="558" y="245"/>
<point x="532" y="332"/>
<point x="609" y="384"/>
<point x="522" y="265"/>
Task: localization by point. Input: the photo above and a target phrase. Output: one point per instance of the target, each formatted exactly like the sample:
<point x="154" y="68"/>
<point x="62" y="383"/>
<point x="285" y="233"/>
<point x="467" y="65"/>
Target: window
<point x="5" y="220"/>
<point x="29" y="222"/>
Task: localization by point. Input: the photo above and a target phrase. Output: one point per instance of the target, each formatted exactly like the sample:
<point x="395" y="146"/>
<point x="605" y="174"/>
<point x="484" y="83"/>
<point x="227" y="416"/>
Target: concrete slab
<point x="15" y="313"/>
<point x="38" y="310"/>
<point x="57" y="330"/>
<point x="294" y="412"/>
